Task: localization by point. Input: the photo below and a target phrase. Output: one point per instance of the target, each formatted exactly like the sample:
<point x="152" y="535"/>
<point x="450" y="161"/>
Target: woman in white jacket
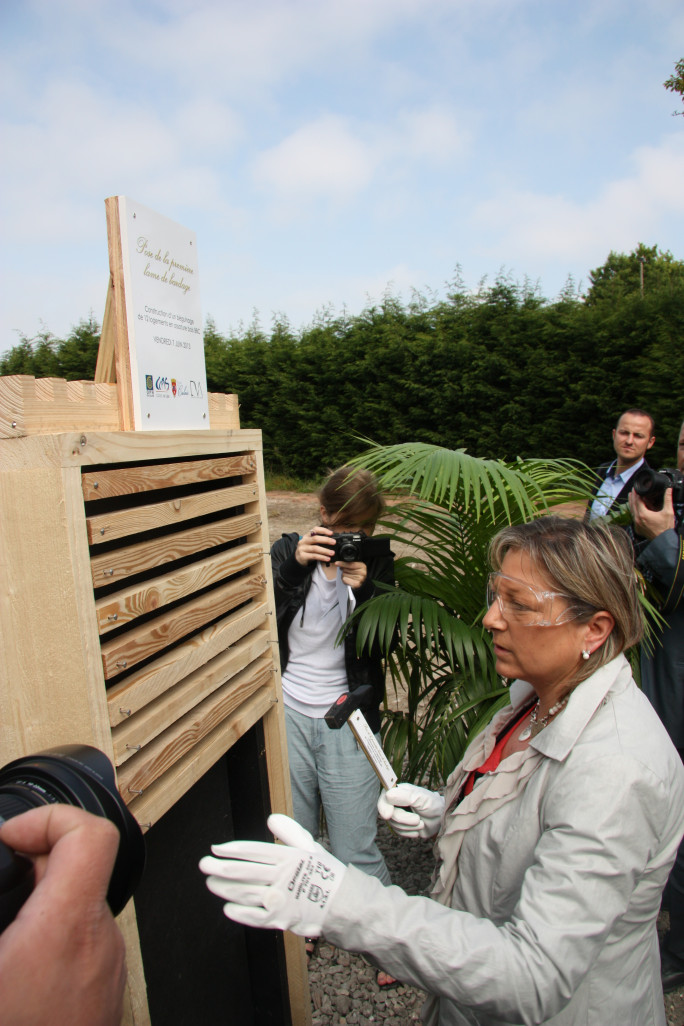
<point x="556" y="832"/>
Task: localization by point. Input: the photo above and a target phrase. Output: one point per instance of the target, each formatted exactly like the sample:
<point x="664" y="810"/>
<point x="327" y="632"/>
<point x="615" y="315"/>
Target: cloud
<point x="322" y="157"/>
<point x="76" y="146"/>
<point x="430" y="134"/>
<point x="337" y="157"/>
<point x="244" y="47"/>
<point x="623" y="212"/>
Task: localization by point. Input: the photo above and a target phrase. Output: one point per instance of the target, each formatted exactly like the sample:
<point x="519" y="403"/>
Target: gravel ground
<point x="343" y="987"/>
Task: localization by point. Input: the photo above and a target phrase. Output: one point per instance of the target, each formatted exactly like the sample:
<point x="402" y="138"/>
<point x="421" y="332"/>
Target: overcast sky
<point x="327" y="150"/>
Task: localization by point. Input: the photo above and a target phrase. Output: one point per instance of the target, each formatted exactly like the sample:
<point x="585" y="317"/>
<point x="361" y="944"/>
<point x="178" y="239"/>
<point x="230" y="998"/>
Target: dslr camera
<point x="651" y="485"/>
<point x="358" y="547"/>
<point x="70" y="775"/>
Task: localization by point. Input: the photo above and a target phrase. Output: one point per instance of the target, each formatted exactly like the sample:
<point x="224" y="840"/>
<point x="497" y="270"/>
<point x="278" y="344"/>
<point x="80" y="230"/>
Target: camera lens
<point x="651" y="486"/>
<point x="348" y="551"/>
<point x="81" y="776"/>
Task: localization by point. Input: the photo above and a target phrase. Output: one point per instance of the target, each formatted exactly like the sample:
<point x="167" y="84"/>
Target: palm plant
<point x="448" y="507"/>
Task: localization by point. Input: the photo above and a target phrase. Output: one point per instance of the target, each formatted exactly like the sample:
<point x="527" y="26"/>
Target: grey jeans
<point x="328" y="767"/>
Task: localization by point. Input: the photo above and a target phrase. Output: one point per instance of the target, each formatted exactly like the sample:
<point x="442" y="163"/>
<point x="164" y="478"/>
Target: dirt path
<point x="290" y="511"/>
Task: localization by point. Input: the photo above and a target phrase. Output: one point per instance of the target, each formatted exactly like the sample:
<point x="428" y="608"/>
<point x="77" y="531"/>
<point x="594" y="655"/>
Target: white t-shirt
<point x="315" y="675"/>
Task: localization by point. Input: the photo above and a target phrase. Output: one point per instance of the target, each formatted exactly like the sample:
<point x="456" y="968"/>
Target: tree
<point x="20" y="359"/>
<point x="45" y="356"/>
<point x="645" y="269"/>
<point x="451" y="506"/>
<point x="77" y="354"/>
<point x="675" y="83"/>
<point x="501" y="372"/>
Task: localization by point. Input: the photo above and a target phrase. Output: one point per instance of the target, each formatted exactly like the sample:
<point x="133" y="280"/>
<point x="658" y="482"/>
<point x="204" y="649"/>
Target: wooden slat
<point x="91" y="448"/>
<point x="166" y="791"/>
<point x="144" y="686"/>
<point x="137" y="600"/>
<point x="136" y="775"/>
<point x="120" y="563"/>
<point x="105" y="484"/>
<point x="110" y="526"/>
<point x="148" y="639"/>
<point x="137" y="732"/>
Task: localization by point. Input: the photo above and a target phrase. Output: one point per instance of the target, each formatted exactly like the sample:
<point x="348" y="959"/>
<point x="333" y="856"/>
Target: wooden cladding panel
<point x="46" y="406"/>
<point x="135" y="601"/>
<point x="31" y="405"/>
<point x="143" y="686"/>
<point x="137" y="731"/>
<point x="187" y="770"/>
<point x="113" y="566"/>
<point x="105" y="484"/>
<point x="106" y="527"/>
<point x="184" y="567"/>
<point x="148" y="639"/>
<point x="185" y="634"/>
<point x="136" y="775"/>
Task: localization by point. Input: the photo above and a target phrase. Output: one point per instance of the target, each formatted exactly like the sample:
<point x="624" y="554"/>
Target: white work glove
<point x="425" y="815"/>
<point x="283" y="886"/>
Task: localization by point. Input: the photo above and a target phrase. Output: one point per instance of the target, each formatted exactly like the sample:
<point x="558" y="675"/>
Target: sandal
<point x="389" y="982"/>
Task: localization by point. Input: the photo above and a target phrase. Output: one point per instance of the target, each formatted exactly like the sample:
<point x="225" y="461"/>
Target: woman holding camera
<point x="555" y="835"/>
<point x="315" y="594"/>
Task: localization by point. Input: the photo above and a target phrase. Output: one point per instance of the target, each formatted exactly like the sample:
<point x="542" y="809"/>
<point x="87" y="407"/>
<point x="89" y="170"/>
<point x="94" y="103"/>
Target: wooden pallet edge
<point x="44" y="406"/>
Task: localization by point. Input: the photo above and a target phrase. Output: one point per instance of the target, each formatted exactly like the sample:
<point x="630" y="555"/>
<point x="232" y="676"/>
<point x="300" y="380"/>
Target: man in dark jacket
<point x="633" y="436"/>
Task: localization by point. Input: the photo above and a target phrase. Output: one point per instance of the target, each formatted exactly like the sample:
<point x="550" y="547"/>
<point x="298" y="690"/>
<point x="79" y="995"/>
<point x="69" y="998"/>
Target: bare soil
<point x="294" y="511"/>
<point x="291" y="511"/>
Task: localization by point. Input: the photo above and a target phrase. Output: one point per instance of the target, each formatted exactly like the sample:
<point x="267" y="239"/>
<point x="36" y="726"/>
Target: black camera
<point x="69" y="775"/>
<point x="358" y="547"/>
<point x="651" y="485"/>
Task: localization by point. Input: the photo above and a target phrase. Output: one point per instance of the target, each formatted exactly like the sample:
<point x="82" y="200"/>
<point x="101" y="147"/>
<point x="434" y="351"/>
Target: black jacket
<point x="291" y="583"/>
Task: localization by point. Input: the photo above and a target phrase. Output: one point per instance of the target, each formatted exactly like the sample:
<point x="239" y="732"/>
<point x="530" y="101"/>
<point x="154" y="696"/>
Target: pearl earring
<point x="585" y="654"/>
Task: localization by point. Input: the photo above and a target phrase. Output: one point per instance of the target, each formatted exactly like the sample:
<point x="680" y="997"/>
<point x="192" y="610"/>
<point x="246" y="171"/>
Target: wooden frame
<point x="136" y="605"/>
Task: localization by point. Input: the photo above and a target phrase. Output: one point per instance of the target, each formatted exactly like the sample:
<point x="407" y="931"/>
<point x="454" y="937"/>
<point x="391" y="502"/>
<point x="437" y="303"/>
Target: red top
<point x="490" y="764"/>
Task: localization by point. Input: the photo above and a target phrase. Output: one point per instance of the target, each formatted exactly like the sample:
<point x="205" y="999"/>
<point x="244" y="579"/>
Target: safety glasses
<point x="522" y="604"/>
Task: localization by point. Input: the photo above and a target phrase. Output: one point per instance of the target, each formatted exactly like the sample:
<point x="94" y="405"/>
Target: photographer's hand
<point x="62" y="960"/>
<point x="313" y="547"/>
<point x="649" y="523"/>
<point x="353" y="574"/>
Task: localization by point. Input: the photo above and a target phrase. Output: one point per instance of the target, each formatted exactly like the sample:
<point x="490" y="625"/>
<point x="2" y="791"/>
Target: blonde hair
<point x="590" y="563"/>
<point x="354" y="491"/>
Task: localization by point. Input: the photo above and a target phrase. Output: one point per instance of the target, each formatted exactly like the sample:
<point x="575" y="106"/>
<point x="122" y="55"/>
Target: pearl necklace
<point x="535" y="725"/>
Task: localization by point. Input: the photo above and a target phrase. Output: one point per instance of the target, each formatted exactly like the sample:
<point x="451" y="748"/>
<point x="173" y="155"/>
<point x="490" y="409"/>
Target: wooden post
<point x="116" y="296"/>
<point x="106" y="353"/>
